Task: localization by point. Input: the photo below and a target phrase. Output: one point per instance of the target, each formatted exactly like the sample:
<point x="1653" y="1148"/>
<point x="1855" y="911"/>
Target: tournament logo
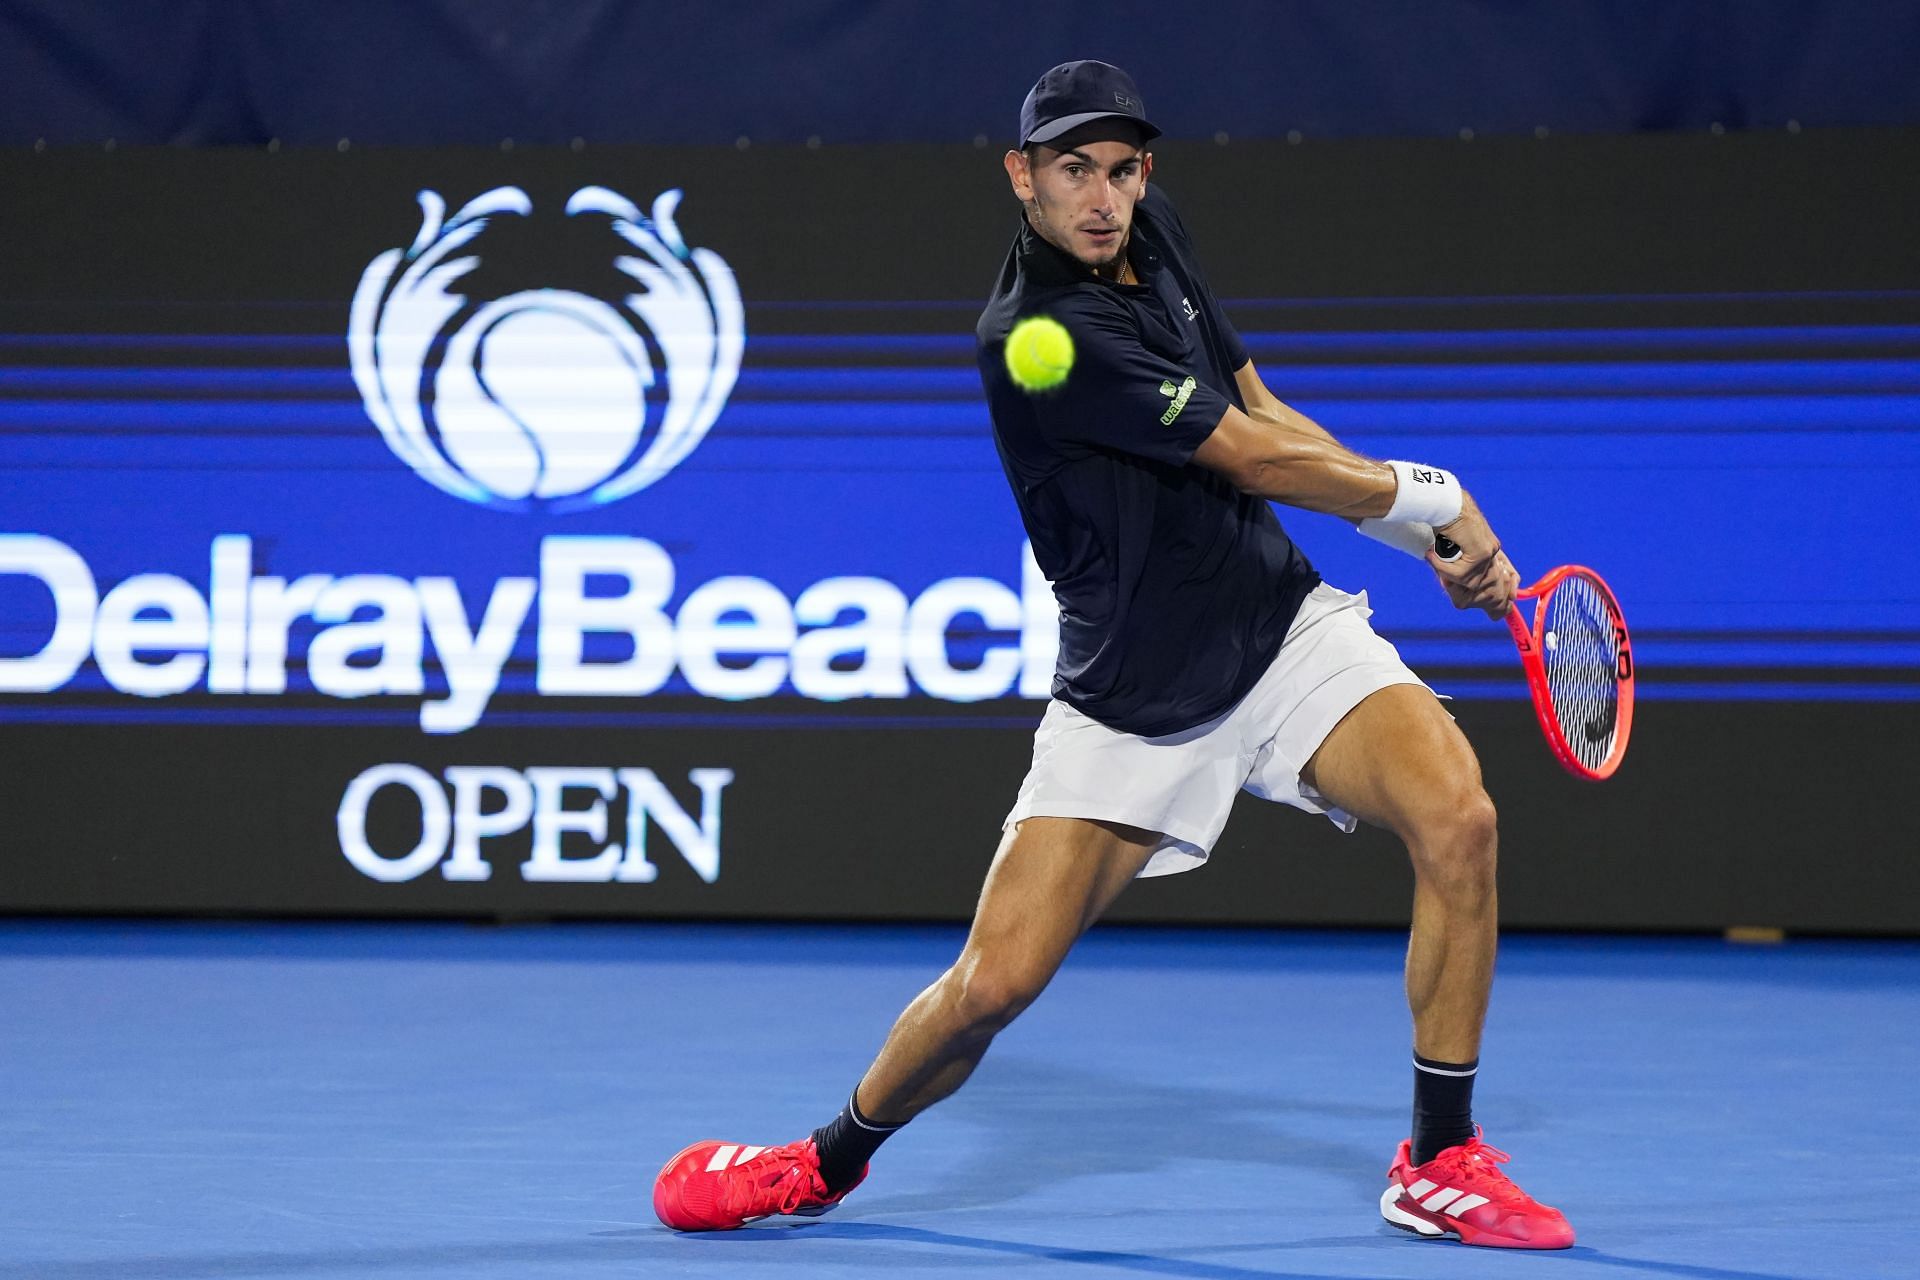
<point x="545" y="398"/>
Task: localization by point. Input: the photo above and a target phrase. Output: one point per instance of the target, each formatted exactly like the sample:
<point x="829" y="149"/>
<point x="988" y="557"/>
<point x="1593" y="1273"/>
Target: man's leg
<point x="1051" y="879"/>
<point x="1398" y="760"/>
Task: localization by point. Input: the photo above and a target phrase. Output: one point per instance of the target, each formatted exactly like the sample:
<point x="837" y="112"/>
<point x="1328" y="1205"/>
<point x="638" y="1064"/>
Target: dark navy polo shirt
<point x="1175" y="588"/>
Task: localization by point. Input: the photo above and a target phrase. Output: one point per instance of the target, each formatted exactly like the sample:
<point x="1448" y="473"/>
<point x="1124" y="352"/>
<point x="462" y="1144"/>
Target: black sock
<point x="847" y="1143"/>
<point x="1442" y="1106"/>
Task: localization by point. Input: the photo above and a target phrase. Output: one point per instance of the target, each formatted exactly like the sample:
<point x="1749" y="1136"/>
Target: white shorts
<point x="1182" y="784"/>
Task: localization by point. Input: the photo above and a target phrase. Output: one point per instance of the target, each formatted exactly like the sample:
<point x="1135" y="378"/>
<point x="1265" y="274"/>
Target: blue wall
<point x="480" y="71"/>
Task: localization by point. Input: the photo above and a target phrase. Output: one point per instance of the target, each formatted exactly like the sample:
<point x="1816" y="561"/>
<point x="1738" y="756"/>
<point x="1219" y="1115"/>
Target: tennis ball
<point x="1039" y="353"/>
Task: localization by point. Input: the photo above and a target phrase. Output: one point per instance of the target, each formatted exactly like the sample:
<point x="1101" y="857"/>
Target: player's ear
<point x="1146" y="167"/>
<point x="1020" y="174"/>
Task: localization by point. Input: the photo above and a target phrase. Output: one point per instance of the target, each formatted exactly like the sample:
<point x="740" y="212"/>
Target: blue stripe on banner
<point x="882" y="382"/>
<point x="1729" y="650"/>
<point x="1652" y="689"/>
<point x="1473" y="340"/>
<point x="178" y="341"/>
<point x="1512" y="689"/>
<point x="1587" y="299"/>
<point x="208" y="380"/>
<point x="1610" y="416"/>
<point x="1582" y="460"/>
<point x="1427" y="301"/>
<point x="349" y="717"/>
<point x="960" y="344"/>
<point x="1261" y="342"/>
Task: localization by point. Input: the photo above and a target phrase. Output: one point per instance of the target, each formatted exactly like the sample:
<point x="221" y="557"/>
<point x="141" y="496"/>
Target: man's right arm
<point x="1114" y="400"/>
<point x="1301" y="469"/>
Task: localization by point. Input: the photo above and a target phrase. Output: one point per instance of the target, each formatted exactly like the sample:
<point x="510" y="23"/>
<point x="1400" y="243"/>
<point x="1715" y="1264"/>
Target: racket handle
<point x="1446" y="548"/>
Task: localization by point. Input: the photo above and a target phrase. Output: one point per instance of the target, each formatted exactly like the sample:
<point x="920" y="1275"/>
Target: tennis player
<point x="1200" y="656"/>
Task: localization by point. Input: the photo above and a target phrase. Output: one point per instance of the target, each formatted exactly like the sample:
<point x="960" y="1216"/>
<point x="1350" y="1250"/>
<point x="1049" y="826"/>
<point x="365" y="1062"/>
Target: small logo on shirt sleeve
<point x="1179" y="395"/>
<point x="1193" y="312"/>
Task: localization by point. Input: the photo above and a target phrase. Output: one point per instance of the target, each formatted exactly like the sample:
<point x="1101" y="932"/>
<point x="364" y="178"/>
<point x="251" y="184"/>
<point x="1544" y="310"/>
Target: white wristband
<point x="1426" y="494"/>
<point x="1412" y="537"/>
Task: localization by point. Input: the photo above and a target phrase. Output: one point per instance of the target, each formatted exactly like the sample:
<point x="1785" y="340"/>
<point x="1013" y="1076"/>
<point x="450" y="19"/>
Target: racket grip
<point x="1446" y="548"/>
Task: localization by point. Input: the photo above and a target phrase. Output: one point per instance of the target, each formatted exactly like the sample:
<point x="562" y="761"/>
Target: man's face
<point x="1080" y="192"/>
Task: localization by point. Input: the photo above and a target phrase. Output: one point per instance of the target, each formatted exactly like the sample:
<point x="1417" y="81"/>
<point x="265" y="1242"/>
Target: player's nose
<point x="1105" y="197"/>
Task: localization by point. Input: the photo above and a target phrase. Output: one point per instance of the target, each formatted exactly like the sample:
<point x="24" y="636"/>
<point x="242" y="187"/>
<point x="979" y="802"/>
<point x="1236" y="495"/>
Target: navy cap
<point x="1076" y="93"/>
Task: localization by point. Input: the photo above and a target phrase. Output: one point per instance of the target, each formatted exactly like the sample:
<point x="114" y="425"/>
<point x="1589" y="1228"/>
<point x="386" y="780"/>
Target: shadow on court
<point x="1190" y="1261"/>
<point x="1051" y="1122"/>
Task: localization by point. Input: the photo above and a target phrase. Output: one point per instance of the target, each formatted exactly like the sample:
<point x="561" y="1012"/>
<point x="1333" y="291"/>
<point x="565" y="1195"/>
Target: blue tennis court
<point x="286" y="1100"/>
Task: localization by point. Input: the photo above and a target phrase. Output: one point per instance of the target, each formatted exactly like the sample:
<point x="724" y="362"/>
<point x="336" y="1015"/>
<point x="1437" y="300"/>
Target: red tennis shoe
<point x="717" y="1186"/>
<point x="1462" y="1192"/>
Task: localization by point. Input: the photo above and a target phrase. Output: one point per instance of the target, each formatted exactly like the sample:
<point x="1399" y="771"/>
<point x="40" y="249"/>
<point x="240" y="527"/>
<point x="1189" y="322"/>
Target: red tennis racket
<point x="1579" y="664"/>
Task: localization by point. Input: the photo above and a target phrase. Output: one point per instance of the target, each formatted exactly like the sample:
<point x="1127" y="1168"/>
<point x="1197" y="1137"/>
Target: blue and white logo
<point x="545" y="399"/>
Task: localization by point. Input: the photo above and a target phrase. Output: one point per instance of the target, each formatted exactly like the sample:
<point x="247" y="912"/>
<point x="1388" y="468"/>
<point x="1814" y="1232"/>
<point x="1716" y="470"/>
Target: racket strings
<point x="1581" y="668"/>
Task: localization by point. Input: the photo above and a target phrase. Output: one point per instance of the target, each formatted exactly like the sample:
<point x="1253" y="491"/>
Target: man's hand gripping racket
<point x="1577" y="654"/>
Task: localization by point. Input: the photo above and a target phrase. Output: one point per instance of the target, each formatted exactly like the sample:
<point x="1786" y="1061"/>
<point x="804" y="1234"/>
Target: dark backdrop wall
<point x="467" y="533"/>
<point x="782" y="71"/>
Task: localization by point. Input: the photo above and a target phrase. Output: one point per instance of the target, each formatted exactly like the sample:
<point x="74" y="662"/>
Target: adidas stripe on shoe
<point x="1462" y="1192"/>
<point x="717" y="1186"/>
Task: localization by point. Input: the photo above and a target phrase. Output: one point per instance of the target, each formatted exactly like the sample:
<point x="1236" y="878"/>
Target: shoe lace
<point x="1480" y="1161"/>
<point x="778" y="1180"/>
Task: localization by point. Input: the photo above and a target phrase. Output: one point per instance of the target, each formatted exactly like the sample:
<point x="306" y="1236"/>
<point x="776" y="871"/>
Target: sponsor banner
<point x="621" y="532"/>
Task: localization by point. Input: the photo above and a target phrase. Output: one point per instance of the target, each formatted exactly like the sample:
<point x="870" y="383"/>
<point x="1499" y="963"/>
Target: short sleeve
<point x="1125" y="397"/>
<point x="1237" y="355"/>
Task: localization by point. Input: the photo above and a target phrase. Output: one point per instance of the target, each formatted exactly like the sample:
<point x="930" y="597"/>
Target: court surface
<point x="300" y="1101"/>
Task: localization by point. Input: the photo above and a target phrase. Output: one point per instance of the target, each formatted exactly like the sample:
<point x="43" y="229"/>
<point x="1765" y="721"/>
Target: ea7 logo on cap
<point x="1125" y="103"/>
<point x="541" y="398"/>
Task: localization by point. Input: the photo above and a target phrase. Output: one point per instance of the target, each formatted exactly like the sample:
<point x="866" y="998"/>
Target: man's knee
<point x="1455" y="843"/>
<point x="991" y="988"/>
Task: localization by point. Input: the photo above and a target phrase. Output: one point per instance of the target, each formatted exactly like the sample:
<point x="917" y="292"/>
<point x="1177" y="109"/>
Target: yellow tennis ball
<point x="1039" y="353"/>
